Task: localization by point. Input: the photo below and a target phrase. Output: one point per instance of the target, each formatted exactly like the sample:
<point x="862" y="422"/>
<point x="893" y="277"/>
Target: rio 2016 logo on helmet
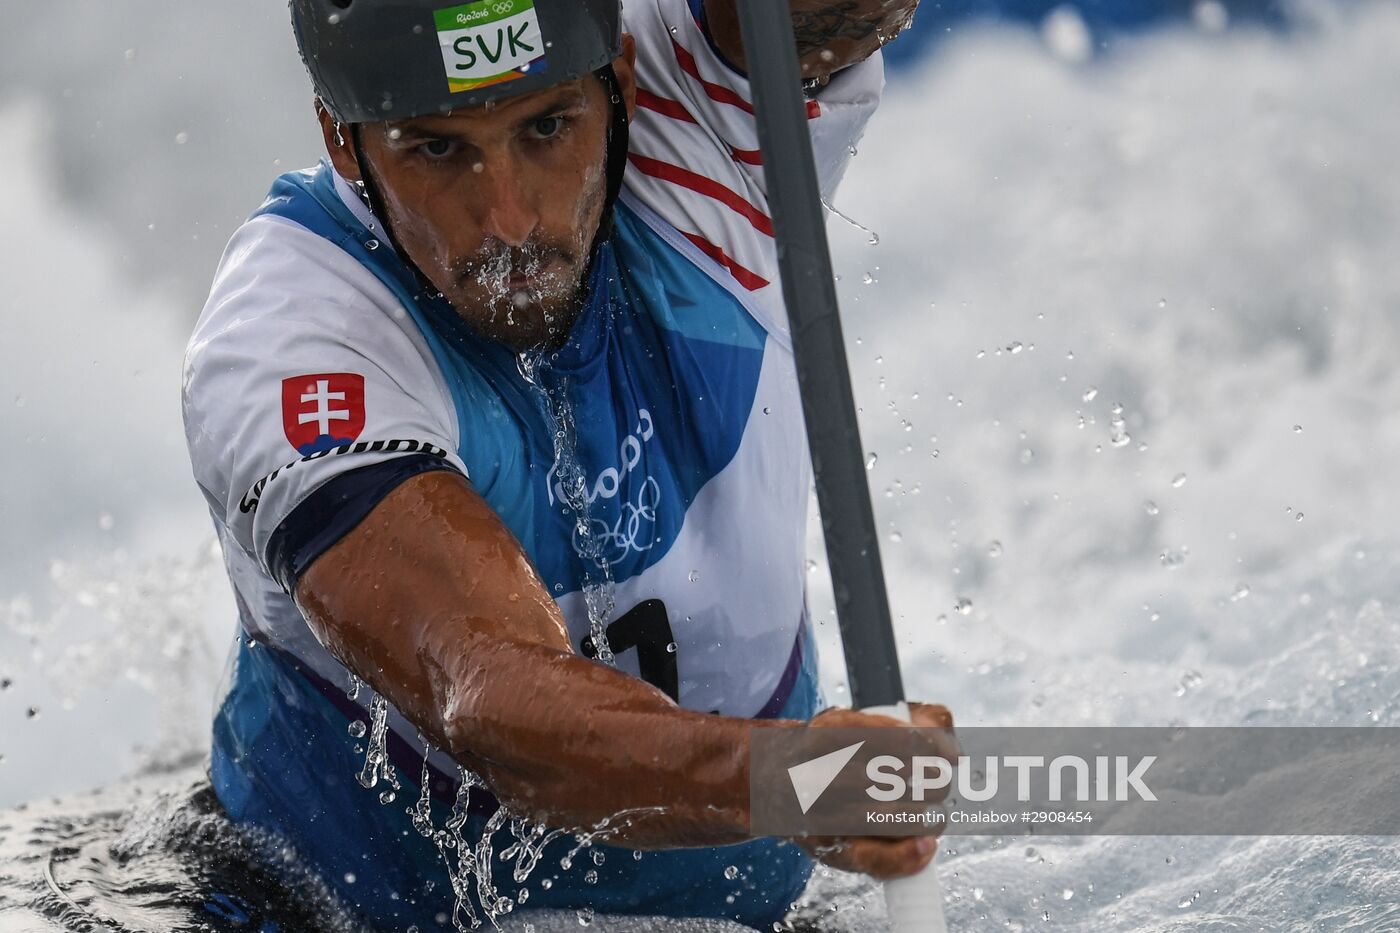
<point x="376" y="60"/>
<point x="489" y="42"/>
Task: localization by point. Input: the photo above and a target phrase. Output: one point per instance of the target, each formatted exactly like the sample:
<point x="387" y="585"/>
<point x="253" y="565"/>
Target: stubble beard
<point x="528" y="297"/>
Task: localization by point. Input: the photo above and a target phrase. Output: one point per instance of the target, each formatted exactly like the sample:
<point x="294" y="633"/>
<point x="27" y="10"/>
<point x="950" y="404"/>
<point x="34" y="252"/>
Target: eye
<point x="437" y="148"/>
<point x="548" y="127"/>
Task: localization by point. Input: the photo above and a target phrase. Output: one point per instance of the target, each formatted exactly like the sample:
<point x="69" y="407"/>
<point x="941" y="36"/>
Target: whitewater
<point x="1125" y="358"/>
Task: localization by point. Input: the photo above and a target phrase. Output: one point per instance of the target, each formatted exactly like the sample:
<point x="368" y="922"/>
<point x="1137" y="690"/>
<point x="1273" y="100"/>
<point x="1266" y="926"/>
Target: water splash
<point x="874" y="237"/>
<point x="113" y="621"/>
<point x="598" y="588"/>
<point x="156" y="854"/>
<point x="377" y="765"/>
<point x="458" y="855"/>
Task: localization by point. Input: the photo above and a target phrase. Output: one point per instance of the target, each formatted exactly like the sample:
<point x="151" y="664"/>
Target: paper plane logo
<point x="811" y="778"/>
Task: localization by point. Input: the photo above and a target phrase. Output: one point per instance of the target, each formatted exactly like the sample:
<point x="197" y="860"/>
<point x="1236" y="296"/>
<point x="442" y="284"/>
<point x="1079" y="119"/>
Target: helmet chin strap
<point x="619" y="135"/>
<point x="374" y="200"/>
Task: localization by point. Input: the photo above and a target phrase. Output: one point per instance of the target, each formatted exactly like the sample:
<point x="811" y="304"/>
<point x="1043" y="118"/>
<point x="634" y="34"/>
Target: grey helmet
<point x="376" y="60"/>
<point x="379" y="60"/>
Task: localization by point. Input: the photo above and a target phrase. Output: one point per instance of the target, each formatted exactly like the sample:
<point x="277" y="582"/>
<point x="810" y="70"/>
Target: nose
<point x="510" y="215"/>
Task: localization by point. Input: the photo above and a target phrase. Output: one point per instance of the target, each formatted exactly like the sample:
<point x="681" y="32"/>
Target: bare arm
<point x="831" y="34"/>
<point x="432" y="601"/>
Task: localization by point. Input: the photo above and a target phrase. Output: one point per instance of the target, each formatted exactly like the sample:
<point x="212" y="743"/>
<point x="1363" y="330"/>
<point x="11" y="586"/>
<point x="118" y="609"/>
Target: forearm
<point x="433" y="603"/>
<point x="831" y="34"/>
<point x="565" y="740"/>
<point x="572" y="743"/>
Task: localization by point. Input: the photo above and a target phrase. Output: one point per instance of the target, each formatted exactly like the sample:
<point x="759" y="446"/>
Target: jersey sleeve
<point x="695" y="156"/>
<point x="302" y="369"/>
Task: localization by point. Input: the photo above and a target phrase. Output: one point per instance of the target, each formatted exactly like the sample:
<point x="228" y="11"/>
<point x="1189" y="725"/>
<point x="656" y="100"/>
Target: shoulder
<point x="285" y="293"/>
<point x="287" y="302"/>
<point x="302" y="352"/>
<point x="274" y="269"/>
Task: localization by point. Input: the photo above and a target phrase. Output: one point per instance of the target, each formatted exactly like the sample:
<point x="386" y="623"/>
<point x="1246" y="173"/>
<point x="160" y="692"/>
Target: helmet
<point x="376" y="60"/>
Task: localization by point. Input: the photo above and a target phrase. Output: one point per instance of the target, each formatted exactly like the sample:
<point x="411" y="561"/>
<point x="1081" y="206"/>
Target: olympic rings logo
<point x="634" y="529"/>
<point x="500" y="8"/>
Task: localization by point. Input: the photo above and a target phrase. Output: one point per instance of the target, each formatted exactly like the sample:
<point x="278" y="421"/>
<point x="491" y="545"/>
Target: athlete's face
<point x="498" y="205"/>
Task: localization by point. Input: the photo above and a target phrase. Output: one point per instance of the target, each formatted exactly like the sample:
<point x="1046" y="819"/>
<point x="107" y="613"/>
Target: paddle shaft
<point x="809" y="289"/>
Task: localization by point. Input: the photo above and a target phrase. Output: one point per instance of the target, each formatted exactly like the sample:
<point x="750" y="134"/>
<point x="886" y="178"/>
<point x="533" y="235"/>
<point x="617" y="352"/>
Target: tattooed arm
<point x="831" y="34"/>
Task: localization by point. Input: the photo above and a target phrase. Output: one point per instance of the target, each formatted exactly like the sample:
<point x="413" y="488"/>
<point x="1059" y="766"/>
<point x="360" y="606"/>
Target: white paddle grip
<point x="914" y="904"/>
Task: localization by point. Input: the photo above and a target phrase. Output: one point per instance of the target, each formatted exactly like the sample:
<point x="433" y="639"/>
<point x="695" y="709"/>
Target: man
<point x="516" y="441"/>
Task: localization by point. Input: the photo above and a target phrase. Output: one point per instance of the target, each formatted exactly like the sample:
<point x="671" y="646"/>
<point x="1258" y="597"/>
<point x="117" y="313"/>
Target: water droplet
<point x="963" y="606"/>
<point x="371" y="245"/>
<point x="868" y="278"/>
<point x="1241" y="591"/>
<point x="32" y="713"/>
<point x="181" y="138"/>
<point x="1090" y="394"/>
<point x="349" y="877"/>
<point x="767" y="410"/>
<point x="590" y="877"/>
<point x="1298" y="517"/>
<point x="1151" y="507"/>
<point x="1179" y="480"/>
<point x="994" y="549"/>
<point x="896" y="537"/>
<point x="870" y="460"/>
<point x="357" y="729"/>
<point x="333" y="19"/>
<point x="671" y="648"/>
<point x="694" y="576"/>
<point x="731" y="873"/>
<point x="386" y="797"/>
<point x="585" y="916"/>
<point x="5" y="683"/>
<point x="1067" y="893"/>
<point x="1031" y="854"/>
<point x="1297" y="429"/>
<point x="1173" y="559"/>
<point x="19" y="401"/>
<point x="1190" y="680"/>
